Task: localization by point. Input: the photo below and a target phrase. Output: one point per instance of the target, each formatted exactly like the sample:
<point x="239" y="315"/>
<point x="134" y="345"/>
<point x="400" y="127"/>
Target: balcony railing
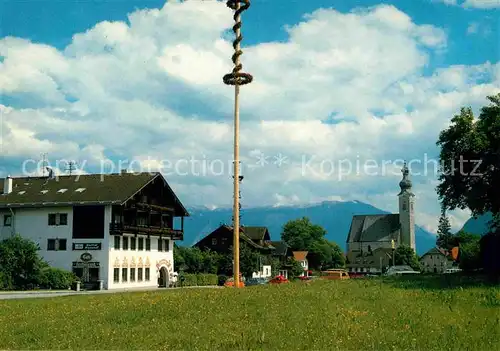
<point x="120" y="228"/>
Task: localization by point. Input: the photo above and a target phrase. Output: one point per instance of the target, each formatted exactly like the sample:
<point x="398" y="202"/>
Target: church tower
<point x="406" y="210"/>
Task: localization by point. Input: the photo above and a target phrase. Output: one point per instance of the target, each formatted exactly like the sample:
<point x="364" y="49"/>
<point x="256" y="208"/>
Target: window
<point x="160" y="245"/>
<point x="124" y="274"/>
<point x="139" y="274"/>
<point x="148" y="244"/>
<point x="7" y="220"/>
<point x="146" y="274"/>
<point x="62" y="244"/>
<point x="132" y="274"/>
<point x="214" y="241"/>
<point x="167" y="245"/>
<point x="116" y="275"/>
<point x="141" y="244"/>
<point x="133" y="242"/>
<point x="117" y="243"/>
<point x="56" y="244"/>
<point x="51" y="244"/>
<point x="125" y="243"/>
<point x="58" y="219"/>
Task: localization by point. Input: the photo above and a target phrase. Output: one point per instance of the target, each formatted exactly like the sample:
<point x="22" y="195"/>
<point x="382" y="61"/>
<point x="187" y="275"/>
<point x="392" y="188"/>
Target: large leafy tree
<point x="404" y="255"/>
<point x="470" y="174"/>
<point x="21" y="267"/>
<point x="470" y="161"/>
<point x="303" y="235"/>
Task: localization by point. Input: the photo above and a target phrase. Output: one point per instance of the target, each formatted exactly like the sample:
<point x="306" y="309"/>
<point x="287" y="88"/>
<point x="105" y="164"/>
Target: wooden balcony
<point x="120" y="229"/>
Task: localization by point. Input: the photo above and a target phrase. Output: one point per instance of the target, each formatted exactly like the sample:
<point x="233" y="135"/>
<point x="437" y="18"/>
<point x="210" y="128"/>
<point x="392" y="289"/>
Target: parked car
<point x="256" y="281"/>
<point x="334" y="274"/>
<point x="279" y="279"/>
<point x="401" y="270"/>
<point x="452" y="270"/>
<point x="230" y="282"/>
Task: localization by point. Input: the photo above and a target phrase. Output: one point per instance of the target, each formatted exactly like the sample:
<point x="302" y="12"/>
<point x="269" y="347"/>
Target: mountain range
<point x="478" y="225"/>
<point x="334" y="216"/>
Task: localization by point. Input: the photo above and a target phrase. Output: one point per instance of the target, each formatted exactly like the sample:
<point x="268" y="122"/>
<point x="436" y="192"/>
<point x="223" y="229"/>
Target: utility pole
<point x="393" y="251"/>
<point x="71" y="167"/>
<point x="237" y="78"/>
<point x="44" y="161"/>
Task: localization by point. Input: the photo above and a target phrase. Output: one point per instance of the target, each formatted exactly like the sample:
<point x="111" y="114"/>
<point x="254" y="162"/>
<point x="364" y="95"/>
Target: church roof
<point x="374" y="228"/>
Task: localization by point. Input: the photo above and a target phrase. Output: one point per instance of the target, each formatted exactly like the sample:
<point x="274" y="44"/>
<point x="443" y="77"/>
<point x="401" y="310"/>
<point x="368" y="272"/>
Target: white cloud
<point x="151" y="90"/>
<point x="482" y="4"/>
<point x="478" y="4"/>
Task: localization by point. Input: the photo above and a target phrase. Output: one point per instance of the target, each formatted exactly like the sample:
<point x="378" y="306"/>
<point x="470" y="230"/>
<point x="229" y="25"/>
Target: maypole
<point x="237" y="78"/>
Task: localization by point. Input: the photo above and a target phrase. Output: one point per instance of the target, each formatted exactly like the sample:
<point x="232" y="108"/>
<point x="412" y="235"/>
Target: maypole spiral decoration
<point x="236" y="77"/>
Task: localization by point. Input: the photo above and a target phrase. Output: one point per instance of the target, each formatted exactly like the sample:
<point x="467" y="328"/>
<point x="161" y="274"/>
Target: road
<point x="13" y="295"/>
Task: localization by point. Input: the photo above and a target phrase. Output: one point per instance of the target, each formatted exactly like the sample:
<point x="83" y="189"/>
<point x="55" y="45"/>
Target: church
<point x="372" y="238"/>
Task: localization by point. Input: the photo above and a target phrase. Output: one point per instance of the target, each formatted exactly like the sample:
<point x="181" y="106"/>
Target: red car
<point x="279" y="279"/>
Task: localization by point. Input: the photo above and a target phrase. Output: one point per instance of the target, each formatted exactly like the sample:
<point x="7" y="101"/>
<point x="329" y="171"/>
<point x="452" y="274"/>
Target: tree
<point x="470" y="161"/>
<point x="404" y="255"/>
<point x="20" y="265"/>
<point x="302" y="235"/>
<point x="296" y="268"/>
<point x="250" y="260"/>
<point x="470" y="256"/>
<point x="445" y="238"/>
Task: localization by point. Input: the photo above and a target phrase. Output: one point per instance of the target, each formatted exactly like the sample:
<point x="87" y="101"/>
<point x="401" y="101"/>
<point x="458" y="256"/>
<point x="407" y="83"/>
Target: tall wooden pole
<point x="237" y="78"/>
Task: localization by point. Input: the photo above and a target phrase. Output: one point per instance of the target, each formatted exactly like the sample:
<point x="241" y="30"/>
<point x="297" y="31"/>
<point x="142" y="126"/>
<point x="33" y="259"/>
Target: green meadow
<point x="358" y="314"/>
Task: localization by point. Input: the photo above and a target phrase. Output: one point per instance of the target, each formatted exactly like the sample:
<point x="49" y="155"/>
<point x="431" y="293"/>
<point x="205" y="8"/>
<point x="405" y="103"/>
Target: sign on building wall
<point x="86" y="246"/>
<point x="86" y="265"/>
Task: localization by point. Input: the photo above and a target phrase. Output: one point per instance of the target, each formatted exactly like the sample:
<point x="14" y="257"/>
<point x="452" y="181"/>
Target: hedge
<point x="57" y="279"/>
<point x="200" y="279"/>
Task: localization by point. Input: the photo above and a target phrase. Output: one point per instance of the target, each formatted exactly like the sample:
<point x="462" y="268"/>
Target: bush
<point x="199" y="279"/>
<point x="207" y="279"/>
<point x="57" y="279"/>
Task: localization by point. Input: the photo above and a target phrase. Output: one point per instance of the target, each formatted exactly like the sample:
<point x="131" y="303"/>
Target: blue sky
<point x="363" y="80"/>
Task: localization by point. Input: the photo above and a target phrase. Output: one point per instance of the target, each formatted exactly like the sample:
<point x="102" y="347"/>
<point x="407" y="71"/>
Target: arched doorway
<point x="163" y="277"/>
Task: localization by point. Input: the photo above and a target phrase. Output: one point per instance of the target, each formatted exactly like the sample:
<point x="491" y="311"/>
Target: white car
<point x="400" y="270"/>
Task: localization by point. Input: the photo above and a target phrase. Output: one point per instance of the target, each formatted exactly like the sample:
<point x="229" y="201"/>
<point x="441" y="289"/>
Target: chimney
<point x="7" y="185"/>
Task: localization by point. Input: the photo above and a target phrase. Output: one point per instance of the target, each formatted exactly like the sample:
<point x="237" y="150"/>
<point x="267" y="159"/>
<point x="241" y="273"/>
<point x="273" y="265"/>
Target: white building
<point x="117" y="229"/>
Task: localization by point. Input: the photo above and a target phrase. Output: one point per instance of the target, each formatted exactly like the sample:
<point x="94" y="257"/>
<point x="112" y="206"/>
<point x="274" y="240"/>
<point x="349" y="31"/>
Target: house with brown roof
<point x="371" y="237"/>
<point x="301" y="257"/>
<point x="111" y="230"/>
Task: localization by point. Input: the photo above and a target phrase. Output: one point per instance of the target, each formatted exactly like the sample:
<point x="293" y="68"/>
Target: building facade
<point x="436" y="260"/>
<point x="114" y="231"/>
<point x="371" y="237"/>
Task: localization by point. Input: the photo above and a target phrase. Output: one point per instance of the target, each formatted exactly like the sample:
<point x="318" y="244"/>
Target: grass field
<point x="323" y="315"/>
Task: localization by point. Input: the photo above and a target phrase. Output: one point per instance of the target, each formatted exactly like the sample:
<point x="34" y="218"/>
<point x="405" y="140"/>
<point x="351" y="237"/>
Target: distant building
<point x="115" y="229"/>
<point x="301" y="257"/>
<point x="257" y="238"/>
<point x="437" y="260"/>
<point x="369" y="242"/>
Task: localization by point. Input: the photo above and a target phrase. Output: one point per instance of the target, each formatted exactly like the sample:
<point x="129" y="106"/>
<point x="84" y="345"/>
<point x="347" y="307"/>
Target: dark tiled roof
<point x="78" y="189"/>
<point x="281" y="247"/>
<point x="374" y="228"/>
<point x="255" y="233"/>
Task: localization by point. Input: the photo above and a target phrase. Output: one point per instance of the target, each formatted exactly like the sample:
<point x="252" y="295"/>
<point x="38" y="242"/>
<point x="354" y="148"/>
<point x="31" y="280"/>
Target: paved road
<point x="43" y="294"/>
